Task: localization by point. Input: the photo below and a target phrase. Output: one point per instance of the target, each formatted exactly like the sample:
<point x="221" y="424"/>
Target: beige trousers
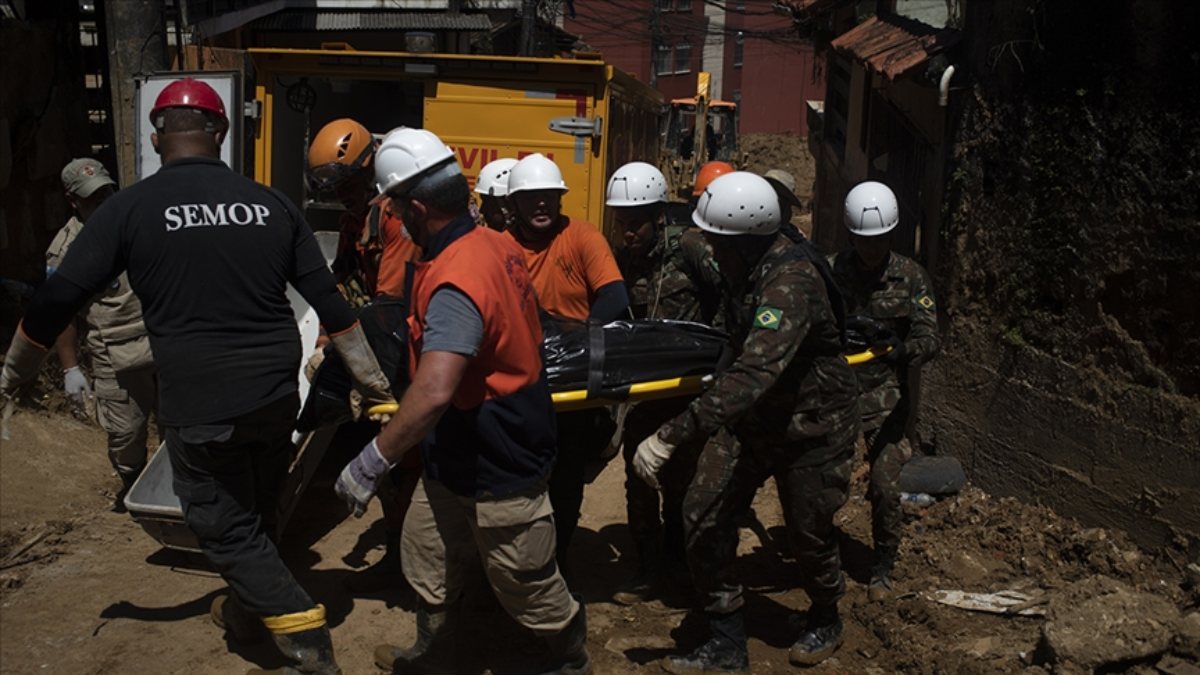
<point x="513" y="537"/>
<point x="123" y="405"/>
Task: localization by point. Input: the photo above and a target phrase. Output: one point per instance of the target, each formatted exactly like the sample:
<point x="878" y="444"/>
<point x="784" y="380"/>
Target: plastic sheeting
<point x="603" y="360"/>
<point x="614" y="356"/>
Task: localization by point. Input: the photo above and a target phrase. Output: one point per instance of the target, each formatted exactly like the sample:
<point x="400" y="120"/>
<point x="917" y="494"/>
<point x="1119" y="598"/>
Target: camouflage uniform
<point x="126" y="380"/>
<point x="787" y="407"/>
<point x="901" y="298"/>
<point x="678" y="279"/>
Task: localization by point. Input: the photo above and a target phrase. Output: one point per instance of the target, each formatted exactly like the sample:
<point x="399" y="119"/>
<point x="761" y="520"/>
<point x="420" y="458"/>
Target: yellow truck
<point x="585" y="114"/>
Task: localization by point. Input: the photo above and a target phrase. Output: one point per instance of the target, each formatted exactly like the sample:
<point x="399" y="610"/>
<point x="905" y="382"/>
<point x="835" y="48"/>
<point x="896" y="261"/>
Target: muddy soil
<point x="782" y="151"/>
<point x="85" y="590"/>
<point x="790" y="153"/>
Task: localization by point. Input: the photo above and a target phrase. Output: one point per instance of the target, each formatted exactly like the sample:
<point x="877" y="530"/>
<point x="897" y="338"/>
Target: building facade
<point x="746" y="46"/>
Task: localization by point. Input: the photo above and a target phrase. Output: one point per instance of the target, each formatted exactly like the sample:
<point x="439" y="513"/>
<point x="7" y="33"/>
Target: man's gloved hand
<point x="75" y="385"/>
<point x="651" y="454"/>
<point x="360" y="479"/>
<point x="369" y="379"/>
<point x="314" y="362"/>
<point x="898" y="356"/>
<point x="77" y="389"/>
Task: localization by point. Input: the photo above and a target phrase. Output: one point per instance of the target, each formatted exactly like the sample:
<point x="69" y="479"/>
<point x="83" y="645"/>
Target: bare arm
<point x="64" y="346"/>
<point x="437" y="378"/>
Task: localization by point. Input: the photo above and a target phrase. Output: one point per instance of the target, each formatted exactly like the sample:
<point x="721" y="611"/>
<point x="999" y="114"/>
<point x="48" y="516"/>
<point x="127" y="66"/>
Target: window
<point x="683" y="5"/>
<point x="662" y="60"/>
<point x="683" y="57"/>
<point x="740" y="6"/>
<point x="837" y="105"/>
<point x="662" y="5"/>
<point x="738" y="48"/>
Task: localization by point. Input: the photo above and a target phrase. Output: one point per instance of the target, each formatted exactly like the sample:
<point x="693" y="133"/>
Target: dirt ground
<point x="84" y="590"/>
<point x="782" y="151"/>
<point x="790" y="153"/>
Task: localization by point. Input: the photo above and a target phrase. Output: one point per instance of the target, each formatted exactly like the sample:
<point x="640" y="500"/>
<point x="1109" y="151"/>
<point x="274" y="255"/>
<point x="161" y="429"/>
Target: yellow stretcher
<point x="153" y="504"/>
<point x="577" y="399"/>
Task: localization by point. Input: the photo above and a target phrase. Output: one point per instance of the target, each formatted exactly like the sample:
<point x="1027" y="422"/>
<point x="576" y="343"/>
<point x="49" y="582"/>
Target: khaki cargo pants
<point x="124" y="402"/>
<point x="513" y="537"/>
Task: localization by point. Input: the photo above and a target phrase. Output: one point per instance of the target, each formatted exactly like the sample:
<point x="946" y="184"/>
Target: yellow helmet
<point x="340" y="149"/>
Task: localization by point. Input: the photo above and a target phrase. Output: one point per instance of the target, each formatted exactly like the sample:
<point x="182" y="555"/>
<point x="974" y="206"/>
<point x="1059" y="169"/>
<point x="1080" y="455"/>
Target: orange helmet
<point x="340" y="149"/>
<point x="708" y="173"/>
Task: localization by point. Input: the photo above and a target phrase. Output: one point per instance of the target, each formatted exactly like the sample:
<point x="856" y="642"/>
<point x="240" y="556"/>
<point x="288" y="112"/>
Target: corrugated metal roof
<point x="894" y="45"/>
<point x="344" y="21"/>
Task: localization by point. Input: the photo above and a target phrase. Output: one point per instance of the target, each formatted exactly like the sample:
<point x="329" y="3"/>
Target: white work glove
<point x="360" y="480"/>
<point x="75" y="385"/>
<point x="651" y="454"/>
<point x="79" y="392"/>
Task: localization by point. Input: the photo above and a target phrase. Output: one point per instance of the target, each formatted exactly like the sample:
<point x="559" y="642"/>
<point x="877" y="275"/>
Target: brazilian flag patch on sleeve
<point x="925" y="301"/>
<point x="767" y="317"/>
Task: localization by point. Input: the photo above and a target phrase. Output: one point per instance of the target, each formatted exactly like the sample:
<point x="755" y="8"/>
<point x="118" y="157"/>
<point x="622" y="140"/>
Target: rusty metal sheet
<point x="893" y="45"/>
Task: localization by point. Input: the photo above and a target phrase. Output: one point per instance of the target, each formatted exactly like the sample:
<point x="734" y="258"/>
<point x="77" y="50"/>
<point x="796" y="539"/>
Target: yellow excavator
<point x="717" y="139"/>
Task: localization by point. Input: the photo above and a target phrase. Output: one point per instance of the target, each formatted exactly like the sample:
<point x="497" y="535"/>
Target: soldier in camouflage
<point x="671" y="275"/>
<point x="786" y="407"/>
<point x="880" y="284"/>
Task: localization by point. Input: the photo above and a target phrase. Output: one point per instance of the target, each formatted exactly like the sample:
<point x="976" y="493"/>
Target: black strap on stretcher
<point x="595" y="379"/>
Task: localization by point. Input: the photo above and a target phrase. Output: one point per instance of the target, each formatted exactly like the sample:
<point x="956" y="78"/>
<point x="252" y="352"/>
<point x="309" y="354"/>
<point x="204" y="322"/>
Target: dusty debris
<point x="105" y="567"/>
<point x="1101" y="621"/>
<point x="1173" y="665"/>
<point x="1187" y="638"/>
<point x="1003" y="602"/>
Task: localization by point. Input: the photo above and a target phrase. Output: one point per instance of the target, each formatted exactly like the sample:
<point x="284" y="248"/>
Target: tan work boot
<point x="229" y="615"/>
<point x="644" y="586"/>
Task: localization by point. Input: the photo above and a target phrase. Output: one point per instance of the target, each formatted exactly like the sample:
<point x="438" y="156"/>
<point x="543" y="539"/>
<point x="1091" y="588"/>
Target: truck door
<point x="484" y="120"/>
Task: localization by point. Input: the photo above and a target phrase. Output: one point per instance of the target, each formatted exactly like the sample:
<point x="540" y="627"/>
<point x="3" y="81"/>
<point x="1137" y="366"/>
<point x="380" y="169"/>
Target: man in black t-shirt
<point x="209" y="254"/>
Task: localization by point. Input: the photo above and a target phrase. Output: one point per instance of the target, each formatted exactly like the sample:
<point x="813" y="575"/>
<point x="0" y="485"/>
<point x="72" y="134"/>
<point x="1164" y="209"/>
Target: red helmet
<point x="189" y="93"/>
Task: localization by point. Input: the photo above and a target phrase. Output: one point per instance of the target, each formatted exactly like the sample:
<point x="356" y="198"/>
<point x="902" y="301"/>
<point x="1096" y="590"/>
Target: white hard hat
<point x="535" y="172"/>
<point x="408" y="154"/>
<point x="738" y="203"/>
<point x="637" y="184"/>
<point x="871" y="209"/>
<point x="493" y="178"/>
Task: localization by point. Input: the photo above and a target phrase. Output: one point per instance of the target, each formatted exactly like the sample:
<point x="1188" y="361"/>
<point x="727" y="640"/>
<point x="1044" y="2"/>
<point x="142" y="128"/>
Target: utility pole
<point x="137" y="46"/>
<point x="528" y="26"/>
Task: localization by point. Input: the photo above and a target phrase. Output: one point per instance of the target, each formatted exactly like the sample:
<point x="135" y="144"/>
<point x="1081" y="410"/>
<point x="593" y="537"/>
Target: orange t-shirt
<point x="381" y="258"/>
<point x="567" y="270"/>
<point x="398" y="249"/>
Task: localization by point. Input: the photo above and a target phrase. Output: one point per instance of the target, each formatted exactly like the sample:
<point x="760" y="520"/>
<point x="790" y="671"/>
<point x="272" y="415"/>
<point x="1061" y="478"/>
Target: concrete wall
<point x="1028" y="425"/>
